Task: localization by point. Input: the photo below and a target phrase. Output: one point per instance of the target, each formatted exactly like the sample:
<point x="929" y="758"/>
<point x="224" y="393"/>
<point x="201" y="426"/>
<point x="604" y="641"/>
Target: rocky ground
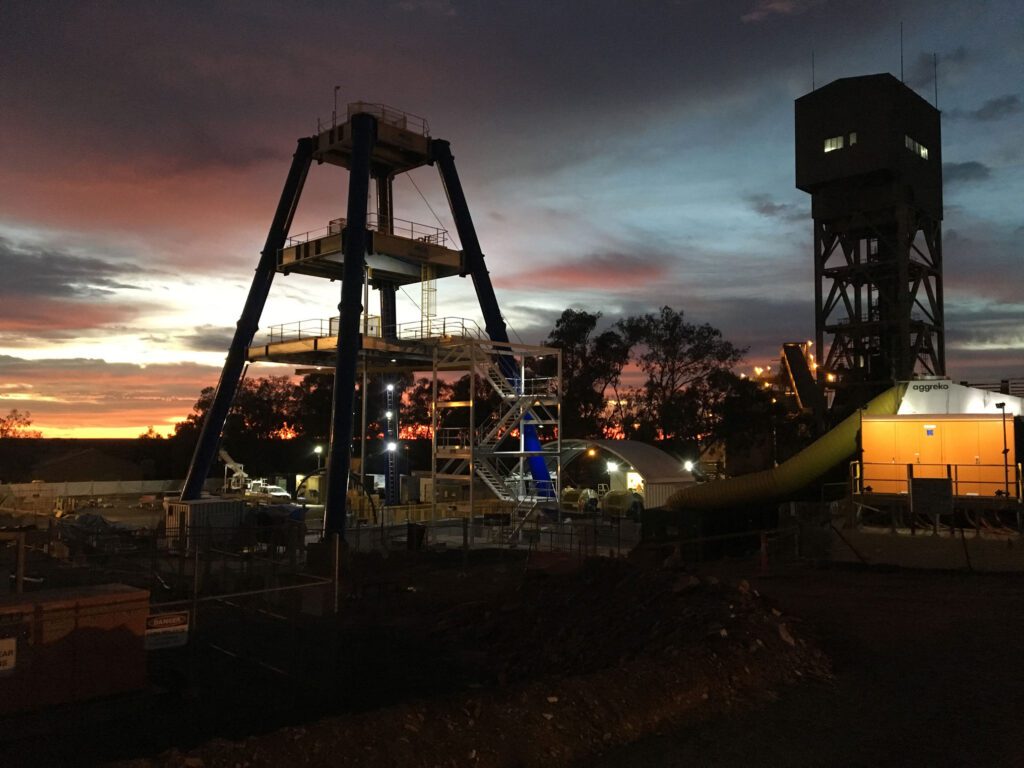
<point x="566" y="667"/>
<point x="512" y="661"/>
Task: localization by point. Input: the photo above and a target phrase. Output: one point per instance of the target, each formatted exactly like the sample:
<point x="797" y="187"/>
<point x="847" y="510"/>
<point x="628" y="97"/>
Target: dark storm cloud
<point x="993" y="109"/>
<point x="32" y="270"/>
<point x="972" y="170"/>
<point x="49" y="295"/>
<point x="151" y="87"/>
<point x="165" y="87"/>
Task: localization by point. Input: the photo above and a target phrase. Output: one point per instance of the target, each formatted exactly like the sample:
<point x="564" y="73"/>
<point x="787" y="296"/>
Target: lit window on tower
<point x="853" y="138"/>
<point x="836" y="142"/>
<point x="916" y="147"/>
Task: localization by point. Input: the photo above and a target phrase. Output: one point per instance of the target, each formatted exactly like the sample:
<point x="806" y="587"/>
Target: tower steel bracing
<point x="868" y="150"/>
<point x="878" y="298"/>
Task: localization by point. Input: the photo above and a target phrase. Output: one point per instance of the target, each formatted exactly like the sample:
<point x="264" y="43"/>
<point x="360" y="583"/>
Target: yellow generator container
<point x="967" y="448"/>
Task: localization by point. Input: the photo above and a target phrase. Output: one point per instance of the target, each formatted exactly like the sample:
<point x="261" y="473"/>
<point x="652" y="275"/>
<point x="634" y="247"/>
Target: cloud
<point x="952" y="66"/>
<point x="596" y="271"/>
<point x="766" y="206"/>
<point x="93" y="394"/>
<point x="26" y="320"/>
<point x="47" y="293"/>
<point x="994" y="109"/>
<point x="764" y="9"/>
<point x="32" y="270"/>
<point x="208" y="338"/>
<point x="441" y="7"/>
<point x="972" y="170"/>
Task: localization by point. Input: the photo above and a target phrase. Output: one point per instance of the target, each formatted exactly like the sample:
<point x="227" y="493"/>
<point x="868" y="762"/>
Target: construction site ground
<point x="504" y="660"/>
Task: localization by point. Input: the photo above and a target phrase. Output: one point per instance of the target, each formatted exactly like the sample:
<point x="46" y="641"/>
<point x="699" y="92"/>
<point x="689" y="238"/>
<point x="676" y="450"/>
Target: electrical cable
<point x="410" y="298"/>
<point x="430" y="208"/>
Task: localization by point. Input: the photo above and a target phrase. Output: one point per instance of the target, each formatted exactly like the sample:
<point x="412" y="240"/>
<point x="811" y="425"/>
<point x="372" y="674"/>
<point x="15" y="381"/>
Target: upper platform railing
<point x="384" y="114"/>
<point x="319" y="328"/>
<point x="423" y="233"/>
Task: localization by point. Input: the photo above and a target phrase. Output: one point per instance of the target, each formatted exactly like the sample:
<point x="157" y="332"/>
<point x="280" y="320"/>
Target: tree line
<point x="655" y="377"/>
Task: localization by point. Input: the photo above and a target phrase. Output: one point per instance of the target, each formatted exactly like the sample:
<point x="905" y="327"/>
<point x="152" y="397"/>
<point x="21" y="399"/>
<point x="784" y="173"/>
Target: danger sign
<point x="8" y="655"/>
<point x="166" y="630"/>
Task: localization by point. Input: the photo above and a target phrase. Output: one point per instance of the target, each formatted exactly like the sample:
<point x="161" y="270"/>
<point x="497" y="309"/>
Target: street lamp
<point x="1006" y="452"/>
<point x="318" y="450"/>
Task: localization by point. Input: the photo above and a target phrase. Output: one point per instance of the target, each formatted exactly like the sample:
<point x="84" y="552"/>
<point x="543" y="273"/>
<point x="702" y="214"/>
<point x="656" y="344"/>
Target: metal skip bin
<point x="65" y="645"/>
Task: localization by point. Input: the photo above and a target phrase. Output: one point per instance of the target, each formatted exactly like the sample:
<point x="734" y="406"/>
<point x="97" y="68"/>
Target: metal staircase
<point x="495" y="449"/>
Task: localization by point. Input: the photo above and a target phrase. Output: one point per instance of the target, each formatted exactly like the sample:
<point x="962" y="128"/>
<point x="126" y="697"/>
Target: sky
<point x="617" y="156"/>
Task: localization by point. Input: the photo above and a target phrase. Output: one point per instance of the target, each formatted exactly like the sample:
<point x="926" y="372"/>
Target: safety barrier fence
<point x="46" y="497"/>
<point x="976" y="480"/>
<point x="498" y="529"/>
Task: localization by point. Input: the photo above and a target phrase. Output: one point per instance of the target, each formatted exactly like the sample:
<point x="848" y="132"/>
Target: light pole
<point x="318" y="450"/>
<point x="1006" y="453"/>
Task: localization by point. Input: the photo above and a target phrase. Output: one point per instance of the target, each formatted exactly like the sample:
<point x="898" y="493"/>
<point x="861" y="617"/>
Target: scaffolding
<point x="485" y="437"/>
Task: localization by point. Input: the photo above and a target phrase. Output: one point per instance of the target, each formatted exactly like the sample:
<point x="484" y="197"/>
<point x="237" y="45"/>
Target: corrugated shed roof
<point x="653" y="464"/>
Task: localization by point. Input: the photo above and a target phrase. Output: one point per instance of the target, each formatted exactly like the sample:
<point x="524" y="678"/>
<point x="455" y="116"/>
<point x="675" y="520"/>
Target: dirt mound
<point x="570" y="665"/>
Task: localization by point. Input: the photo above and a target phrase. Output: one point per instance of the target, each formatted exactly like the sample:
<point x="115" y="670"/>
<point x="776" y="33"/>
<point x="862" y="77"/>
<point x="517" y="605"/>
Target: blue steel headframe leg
<point x="442" y="154"/>
<point x="213" y="424"/>
<point x="364" y="133"/>
<point x="474" y="258"/>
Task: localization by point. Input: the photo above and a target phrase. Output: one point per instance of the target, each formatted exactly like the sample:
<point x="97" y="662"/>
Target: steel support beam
<point x="248" y="323"/>
<point x="364" y="129"/>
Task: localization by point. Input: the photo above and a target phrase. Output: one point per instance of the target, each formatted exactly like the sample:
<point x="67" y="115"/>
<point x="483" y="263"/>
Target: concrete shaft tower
<point x="868" y="151"/>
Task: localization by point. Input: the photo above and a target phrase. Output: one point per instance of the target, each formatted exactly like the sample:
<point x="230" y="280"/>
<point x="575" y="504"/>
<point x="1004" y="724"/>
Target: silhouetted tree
<point x="316" y="398"/>
<point x="418" y="399"/>
<point x="16" y="424"/>
<point x="590" y="366"/>
<point x="264" y="408"/>
<point x="678" y="359"/>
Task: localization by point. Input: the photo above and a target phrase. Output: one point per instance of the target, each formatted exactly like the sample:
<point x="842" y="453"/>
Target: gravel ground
<point x="505" y="662"/>
<point x="928" y="666"/>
